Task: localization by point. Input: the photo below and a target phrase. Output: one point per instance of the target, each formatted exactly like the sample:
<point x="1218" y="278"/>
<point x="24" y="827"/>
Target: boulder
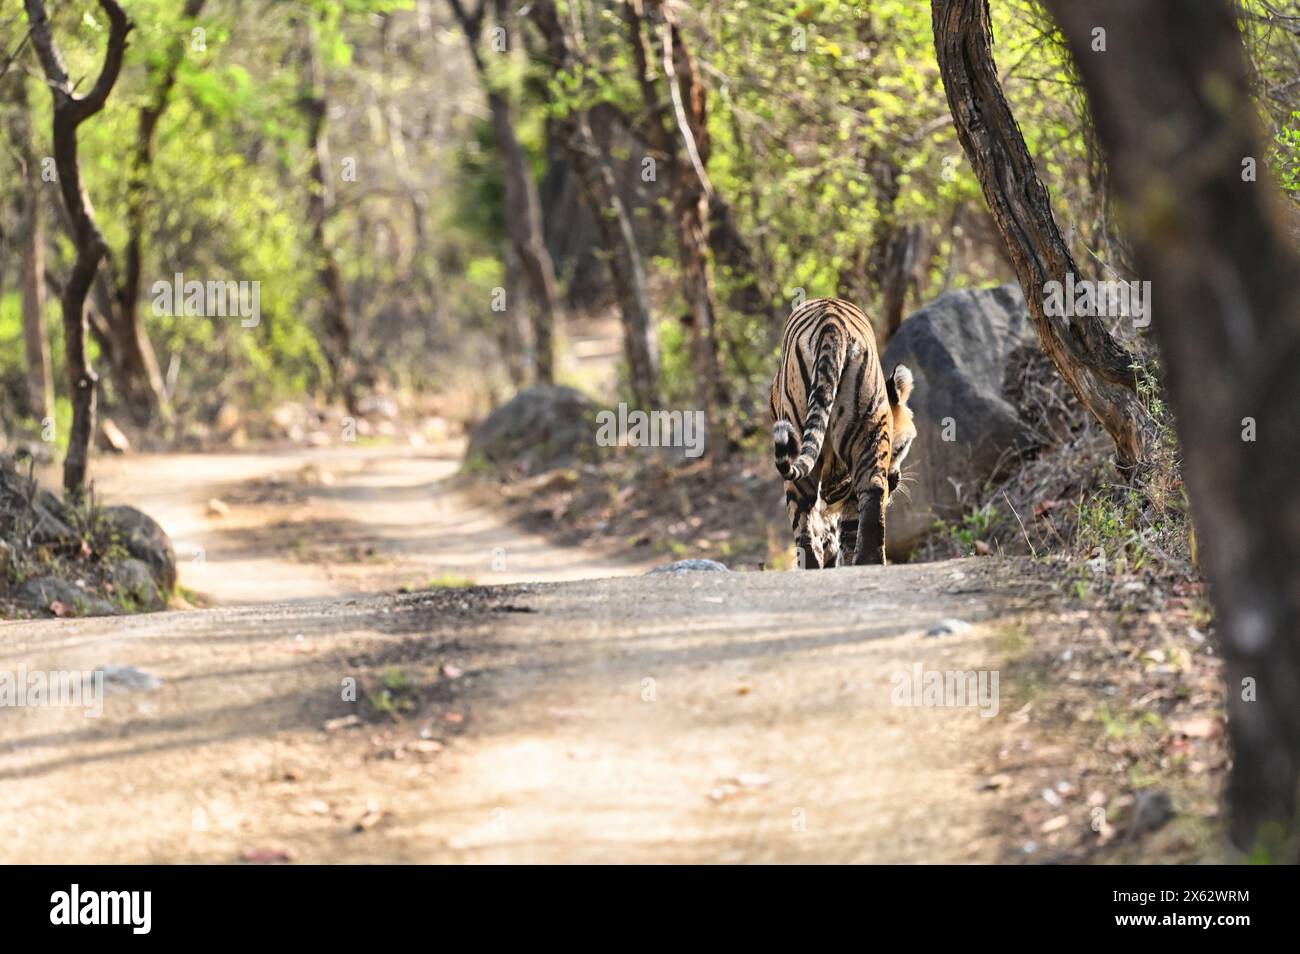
<point x="134" y="580"/>
<point x="958" y="348"/>
<point x="145" y="540"/>
<point x="51" y="524"/>
<point x="43" y="592"/>
<point x="540" y="429"/>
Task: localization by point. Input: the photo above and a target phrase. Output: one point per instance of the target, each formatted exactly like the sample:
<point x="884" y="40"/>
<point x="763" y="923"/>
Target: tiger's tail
<point x="787" y="448"/>
<point x="821" y="396"/>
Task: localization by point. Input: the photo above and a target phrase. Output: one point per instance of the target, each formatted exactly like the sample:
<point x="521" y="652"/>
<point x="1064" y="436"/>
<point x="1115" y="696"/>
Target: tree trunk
<point x="70" y="111"/>
<point x="523" y="207"/>
<point x="902" y="252"/>
<point x="600" y="190"/>
<point x="524" y="219"/>
<point x="141" y="379"/>
<point x="334" y="309"/>
<point x="680" y="133"/>
<point x="1175" y="119"/>
<point x="1097" y="368"/>
<point x="506" y="327"/>
<point x="40" y="384"/>
<point x="614" y="224"/>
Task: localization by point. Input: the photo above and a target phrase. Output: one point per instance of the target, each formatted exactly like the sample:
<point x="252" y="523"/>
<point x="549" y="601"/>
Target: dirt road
<point x="707" y="717"/>
<point x="334" y="521"/>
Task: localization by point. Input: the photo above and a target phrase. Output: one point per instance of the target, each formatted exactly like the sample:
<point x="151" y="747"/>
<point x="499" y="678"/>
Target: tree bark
<point x="1097" y="368"/>
<point x="640" y="338"/>
<point x="679" y="132"/>
<point x="141" y="379"/>
<point x="70" y="111"/>
<point x="523" y="208"/>
<point x="320" y="205"/>
<point x="40" y="384"/>
<point x="902" y="252"/>
<point x="613" y="222"/>
<point x="1175" y="119"/>
<point x="750" y="293"/>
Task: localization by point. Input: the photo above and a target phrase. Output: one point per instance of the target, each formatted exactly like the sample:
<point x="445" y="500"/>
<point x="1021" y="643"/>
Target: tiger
<point x="830" y="384"/>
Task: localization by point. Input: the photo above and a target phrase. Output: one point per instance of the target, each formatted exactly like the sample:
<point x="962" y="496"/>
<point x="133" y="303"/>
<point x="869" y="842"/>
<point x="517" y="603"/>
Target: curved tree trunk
<point x="640" y="340"/>
<point x="141" y="380"/>
<point x="523" y="207"/>
<point x="334" y="313"/>
<point x="1175" y="119"/>
<point x="679" y="132"/>
<point x="1097" y="368"/>
<point x="70" y="111"/>
<point x="40" y="385"/>
<point x="613" y="223"/>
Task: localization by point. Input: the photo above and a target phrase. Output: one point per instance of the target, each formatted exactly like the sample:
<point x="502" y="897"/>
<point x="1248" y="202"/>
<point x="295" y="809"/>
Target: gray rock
<point x="134" y="579"/>
<point x="957" y="347"/>
<point x="145" y="540"/>
<point x="51" y="522"/>
<point x="128" y="678"/>
<point x="690" y="566"/>
<point x="539" y="429"/>
<point x="43" y="591"/>
<point x="947" y="627"/>
<point x="48" y="523"/>
<point x="1152" y="809"/>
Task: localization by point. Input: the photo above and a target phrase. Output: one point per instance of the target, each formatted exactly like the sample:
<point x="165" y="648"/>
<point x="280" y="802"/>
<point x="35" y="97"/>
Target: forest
<point x="439" y="301"/>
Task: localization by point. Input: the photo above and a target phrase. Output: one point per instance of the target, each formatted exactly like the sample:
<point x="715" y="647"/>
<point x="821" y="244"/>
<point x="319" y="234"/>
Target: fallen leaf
<point x="372" y="817"/>
<point x="1197" y="727"/>
<point x="994" y="782"/>
<point x="1055" y="824"/>
<point x="742" y="784"/>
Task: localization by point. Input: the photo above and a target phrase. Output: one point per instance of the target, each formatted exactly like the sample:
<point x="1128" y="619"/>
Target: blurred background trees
<point x="832" y="168"/>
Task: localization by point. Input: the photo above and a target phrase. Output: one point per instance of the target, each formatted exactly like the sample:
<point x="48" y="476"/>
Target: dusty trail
<point x="333" y="521"/>
<point x="741" y="717"/>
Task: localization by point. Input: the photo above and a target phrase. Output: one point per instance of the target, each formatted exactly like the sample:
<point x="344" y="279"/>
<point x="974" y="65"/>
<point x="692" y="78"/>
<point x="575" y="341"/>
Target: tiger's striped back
<point x="840" y="428"/>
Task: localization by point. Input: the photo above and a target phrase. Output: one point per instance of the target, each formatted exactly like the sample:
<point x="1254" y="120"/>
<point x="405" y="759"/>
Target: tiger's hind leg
<point x="832" y="553"/>
<point x="848" y="541"/>
<point x="801" y="499"/>
<point x="870" y="487"/>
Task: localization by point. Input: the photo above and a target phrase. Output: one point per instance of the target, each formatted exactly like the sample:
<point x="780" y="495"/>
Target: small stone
<point x="948" y="627"/>
<point x="1152" y="809"/>
<point x="690" y="566"/>
<point x="128" y="678"/>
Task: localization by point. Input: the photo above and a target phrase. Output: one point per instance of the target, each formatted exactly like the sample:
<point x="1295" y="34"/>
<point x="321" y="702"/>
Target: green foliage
<point x="829" y="133"/>
<point x="981" y="525"/>
<point x="1286" y="156"/>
